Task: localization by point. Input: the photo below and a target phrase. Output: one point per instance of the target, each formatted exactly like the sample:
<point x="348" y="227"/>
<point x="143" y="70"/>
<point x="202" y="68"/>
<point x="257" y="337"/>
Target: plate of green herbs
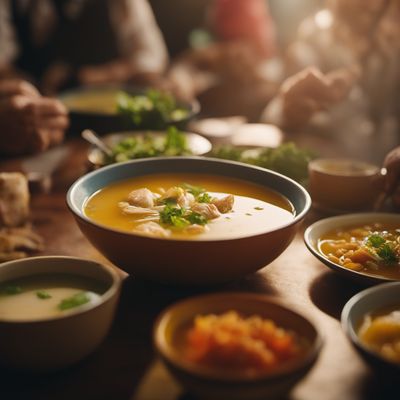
<point x="143" y="144"/>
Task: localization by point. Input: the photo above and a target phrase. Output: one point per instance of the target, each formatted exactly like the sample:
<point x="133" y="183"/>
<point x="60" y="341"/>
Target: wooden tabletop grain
<point x="125" y="366"/>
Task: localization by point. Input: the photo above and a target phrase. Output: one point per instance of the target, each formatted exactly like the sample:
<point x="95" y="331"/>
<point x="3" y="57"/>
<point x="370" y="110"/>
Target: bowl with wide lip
<point x="196" y="144"/>
<point x="364" y="303"/>
<point x="101" y="114"/>
<point x="224" y="384"/>
<point x="315" y="231"/>
<point x="215" y="260"/>
<point x="52" y="343"/>
<point x="339" y="185"/>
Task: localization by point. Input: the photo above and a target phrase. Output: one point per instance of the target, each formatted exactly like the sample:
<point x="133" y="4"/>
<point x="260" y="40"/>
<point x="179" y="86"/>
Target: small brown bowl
<point x="218" y="384"/>
<point x="341" y="185"/>
<point x="42" y="345"/>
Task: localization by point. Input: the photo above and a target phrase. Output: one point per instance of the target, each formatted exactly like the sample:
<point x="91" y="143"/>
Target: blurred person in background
<point x="344" y="77"/>
<point x="228" y="67"/>
<point x="29" y="122"/>
<point x="59" y="43"/>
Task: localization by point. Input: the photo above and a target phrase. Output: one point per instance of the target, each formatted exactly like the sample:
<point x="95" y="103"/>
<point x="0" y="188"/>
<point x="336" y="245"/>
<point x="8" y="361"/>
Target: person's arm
<point x="141" y="45"/>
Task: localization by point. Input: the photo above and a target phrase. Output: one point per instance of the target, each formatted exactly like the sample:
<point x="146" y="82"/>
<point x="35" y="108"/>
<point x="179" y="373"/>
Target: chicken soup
<point x="47" y="296"/>
<point x="189" y="207"/>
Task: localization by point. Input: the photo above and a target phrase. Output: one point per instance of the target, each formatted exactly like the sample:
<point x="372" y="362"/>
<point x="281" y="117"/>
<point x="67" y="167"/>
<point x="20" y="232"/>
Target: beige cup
<point x="341" y="185"/>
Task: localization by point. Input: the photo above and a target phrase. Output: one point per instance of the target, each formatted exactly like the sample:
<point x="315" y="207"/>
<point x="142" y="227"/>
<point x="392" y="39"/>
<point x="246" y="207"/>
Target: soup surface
<point x="369" y="248"/>
<point x="97" y="101"/>
<point x="46" y="296"/>
<point x="225" y="208"/>
<point x="247" y="346"/>
<point x="380" y="332"/>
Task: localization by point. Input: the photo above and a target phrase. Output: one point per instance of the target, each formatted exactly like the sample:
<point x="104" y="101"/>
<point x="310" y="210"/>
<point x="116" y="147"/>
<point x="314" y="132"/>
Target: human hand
<point x="12" y="87"/>
<point x="30" y="124"/>
<point x="310" y="91"/>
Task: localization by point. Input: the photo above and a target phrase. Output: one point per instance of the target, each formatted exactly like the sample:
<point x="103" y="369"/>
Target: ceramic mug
<point x="341" y="185"/>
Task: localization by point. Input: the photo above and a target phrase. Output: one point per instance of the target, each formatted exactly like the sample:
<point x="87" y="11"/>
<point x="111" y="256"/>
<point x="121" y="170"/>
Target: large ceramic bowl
<point x="46" y="344"/>
<point x="221" y="384"/>
<point x="187" y="261"/>
<point x="315" y="231"/>
<point x="363" y="303"/>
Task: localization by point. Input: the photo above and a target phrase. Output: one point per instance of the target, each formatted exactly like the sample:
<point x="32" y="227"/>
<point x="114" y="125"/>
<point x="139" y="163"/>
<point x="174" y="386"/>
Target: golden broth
<point x="349" y="248"/>
<point x="380" y="332"/>
<point x="256" y="209"/>
<point x="96" y="101"/>
<point x="38" y="297"/>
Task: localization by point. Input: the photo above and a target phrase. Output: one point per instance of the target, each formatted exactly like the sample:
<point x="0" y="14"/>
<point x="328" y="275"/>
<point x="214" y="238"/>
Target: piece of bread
<point x="14" y="199"/>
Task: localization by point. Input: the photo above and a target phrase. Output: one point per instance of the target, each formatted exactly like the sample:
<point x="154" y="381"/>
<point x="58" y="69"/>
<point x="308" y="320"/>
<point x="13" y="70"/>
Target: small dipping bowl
<point x="219" y="384"/>
<point x="47" y="344"/>
<point x="363" y="303"/>
<point x="341" y="185"/>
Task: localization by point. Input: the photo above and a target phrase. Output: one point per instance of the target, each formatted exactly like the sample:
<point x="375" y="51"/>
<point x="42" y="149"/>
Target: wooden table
<point x="125" y="366"/>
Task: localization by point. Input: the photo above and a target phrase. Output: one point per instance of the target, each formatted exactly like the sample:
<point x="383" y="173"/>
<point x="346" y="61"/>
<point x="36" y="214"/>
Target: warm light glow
<point x="324" y="19"/>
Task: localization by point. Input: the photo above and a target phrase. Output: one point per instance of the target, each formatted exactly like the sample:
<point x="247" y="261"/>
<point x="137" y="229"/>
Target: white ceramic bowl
<point x="40" y="345"/>
<point x="314" y="232"/>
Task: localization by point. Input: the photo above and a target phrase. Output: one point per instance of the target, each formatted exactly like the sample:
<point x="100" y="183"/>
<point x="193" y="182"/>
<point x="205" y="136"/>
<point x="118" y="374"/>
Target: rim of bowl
<point x="91" y="154"/>
<point x="79" y="212"/>
<point x="368" y="168"/>
<point x="348" y="217"/>
<point x="348" y="326"/>
<point x="109" y="293"/>
<point x="293" y="366"/>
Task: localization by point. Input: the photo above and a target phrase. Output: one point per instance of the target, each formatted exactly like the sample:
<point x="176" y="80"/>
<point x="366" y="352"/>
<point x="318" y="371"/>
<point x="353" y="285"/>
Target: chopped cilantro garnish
<point x="169" y="211"/>
<point x="258" y="208"/>
<point x="375" y="240"/>
<point x="195" y="190"/>
<point x="387" y="253"/>
<point x="196" y="218"/>
<point x="11" y="290"/>
<point x="203" y="198"/>
<point x="43" y="295"/>
<point x="179" y="222"/>
<point x="74" y="301"/>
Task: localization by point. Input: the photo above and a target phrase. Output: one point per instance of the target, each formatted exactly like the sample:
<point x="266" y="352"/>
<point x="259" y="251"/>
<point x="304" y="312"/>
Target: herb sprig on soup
<point x="46" y="296"/>
<point x="189" y="206"/>
<point x="372" y="249"/>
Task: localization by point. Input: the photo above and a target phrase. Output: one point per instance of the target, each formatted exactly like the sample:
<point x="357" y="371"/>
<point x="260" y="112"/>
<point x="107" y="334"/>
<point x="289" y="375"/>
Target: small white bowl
<point x="363" y="303"/>
<point x="41" y="345"/>
<point x="315" y="231"/>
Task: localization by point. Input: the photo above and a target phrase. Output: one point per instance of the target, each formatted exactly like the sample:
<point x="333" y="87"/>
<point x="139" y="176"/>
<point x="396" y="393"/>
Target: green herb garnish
<point x="170" y="214"/>
<point x="11" y="290"/>
<point x="258" y="208"/>
<point x="43" y="295"/>
<point x="196" y="191"/>
<point x="203" y="198"/>
<point x="174" y="143"/>
<point x="375" y="240"/>
<point x="196" y="218"/>
<point x="74" y="301"/>
<point x="387" y="253"/>
<point x="287" y="159"/>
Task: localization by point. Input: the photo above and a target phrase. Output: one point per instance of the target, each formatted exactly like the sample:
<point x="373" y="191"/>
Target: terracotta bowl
<point x="187" y="261"/>
<point x="220" y="384"/>
<point x="42" y="345"/>
<point x="363" y="303"/>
